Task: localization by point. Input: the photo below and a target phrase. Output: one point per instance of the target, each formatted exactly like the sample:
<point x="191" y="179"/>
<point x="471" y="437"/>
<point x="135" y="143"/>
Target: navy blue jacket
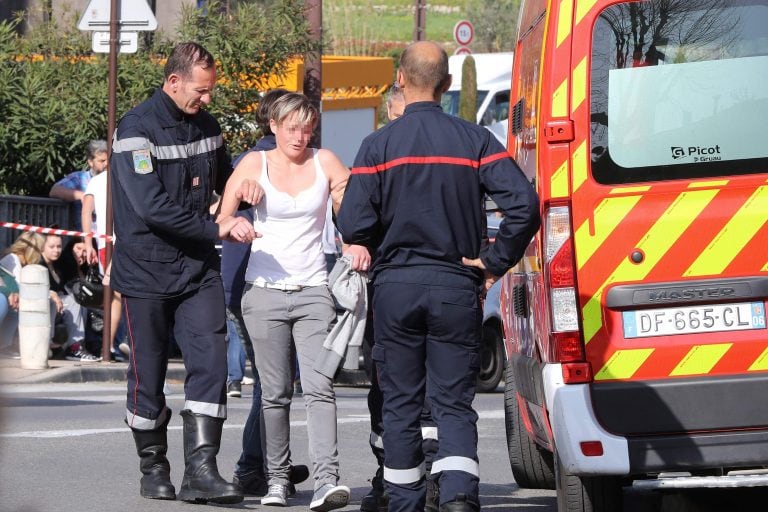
<point x="165" y="166"/>
<point x="416" y="195"/>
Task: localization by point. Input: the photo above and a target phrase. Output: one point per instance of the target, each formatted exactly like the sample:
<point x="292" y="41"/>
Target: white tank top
<point x="290" y="250"/>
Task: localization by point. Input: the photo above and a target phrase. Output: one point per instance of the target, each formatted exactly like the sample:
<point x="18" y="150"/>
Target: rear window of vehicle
<point x="679" y="90"/>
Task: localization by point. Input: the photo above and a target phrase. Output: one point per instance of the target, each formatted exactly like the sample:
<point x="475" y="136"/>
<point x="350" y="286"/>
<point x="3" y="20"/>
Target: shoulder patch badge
<point x="142" y="161"/>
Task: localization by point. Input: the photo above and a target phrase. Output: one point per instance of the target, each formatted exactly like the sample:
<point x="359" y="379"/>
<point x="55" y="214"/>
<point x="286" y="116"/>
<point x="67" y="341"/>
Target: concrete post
<point x="34" y="317"/>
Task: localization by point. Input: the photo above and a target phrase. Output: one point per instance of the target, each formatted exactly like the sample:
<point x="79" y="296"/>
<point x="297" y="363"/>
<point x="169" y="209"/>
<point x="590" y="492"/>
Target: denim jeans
<point x="252" y="456"/>
<point x="9" y="322"/>
<point x="235" y="348"/>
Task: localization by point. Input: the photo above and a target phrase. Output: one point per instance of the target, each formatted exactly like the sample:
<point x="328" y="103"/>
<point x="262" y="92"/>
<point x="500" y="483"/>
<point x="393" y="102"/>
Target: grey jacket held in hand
<point x="348" y="288"/>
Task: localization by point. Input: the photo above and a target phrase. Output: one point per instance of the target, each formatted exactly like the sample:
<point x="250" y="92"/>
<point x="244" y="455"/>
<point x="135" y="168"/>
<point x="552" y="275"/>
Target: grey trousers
<point x="274" y="319"/>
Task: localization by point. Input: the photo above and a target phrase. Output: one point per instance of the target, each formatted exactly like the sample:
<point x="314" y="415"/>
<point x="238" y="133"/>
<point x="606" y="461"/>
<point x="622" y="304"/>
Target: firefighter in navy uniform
<point x="167" y="158"/>
<point x="416" y="194"/>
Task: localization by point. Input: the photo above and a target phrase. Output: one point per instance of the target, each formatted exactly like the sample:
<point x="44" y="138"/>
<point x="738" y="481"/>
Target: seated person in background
<point x="63" y="268"/>
<point x="72" y="187"/>
<point x="26" y="250"/>
<point x="9" y="312"/>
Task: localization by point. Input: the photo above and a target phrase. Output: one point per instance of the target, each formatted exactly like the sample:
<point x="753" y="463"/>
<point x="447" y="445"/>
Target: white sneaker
<point x="247" y="381"/>
<point x="329" y="497"/>
<point x="277" y="496"/>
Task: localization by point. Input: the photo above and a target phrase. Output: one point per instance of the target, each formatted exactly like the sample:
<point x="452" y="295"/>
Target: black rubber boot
<point x="376" y="500"/>
<point x="460" y="504"/>
<point x="433" y="496"/>
<point x="202" y="482"/>
<point x="151" y="446"/>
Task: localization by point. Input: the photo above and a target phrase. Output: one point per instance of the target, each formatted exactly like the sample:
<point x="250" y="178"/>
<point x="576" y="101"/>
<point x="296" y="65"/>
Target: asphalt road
<point x="63" y="447"/>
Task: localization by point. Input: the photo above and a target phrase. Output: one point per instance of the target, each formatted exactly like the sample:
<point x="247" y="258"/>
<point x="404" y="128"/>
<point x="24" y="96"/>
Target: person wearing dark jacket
<point x="416" y="197"/>
<point x="168" y="157"/>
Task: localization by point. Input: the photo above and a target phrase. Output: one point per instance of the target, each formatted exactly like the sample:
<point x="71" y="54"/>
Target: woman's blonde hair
<point x="293" y="102"/>
<point x="29" y="246"/>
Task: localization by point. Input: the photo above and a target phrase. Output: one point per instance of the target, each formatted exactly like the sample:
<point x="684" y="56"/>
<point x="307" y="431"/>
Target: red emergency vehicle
<point x="636" y="324"/>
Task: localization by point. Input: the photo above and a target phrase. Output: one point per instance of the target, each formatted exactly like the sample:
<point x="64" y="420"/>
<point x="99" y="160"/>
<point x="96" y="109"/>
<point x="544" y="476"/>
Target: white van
<point x="494" y="78"/>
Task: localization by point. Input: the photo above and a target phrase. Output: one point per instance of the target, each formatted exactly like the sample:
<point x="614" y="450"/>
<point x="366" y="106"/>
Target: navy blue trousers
<point x="427" y="344"/>
<point x="197" y="321"/>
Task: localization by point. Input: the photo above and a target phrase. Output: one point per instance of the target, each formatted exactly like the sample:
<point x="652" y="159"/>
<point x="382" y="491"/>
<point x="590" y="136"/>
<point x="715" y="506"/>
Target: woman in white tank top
<point x="286" y="297"/>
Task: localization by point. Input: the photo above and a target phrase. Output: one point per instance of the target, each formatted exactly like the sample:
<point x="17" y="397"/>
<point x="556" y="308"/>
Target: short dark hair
<point x="186" y="56"/>
<point x="424" y="73"/>
<point x="262" y="113"/>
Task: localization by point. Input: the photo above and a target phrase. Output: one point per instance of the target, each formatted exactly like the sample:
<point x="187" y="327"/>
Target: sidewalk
<point x="11" y="372"/>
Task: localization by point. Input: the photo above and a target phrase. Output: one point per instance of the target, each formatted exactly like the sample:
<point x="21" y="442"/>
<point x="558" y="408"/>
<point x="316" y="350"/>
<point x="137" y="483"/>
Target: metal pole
<point x="313" y="69"/>
<point x="420" y="21"/>
<point x="114" y="41"/>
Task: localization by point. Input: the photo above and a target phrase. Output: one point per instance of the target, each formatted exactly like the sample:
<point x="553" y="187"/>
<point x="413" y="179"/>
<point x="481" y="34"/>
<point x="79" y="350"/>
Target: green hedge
<point x="54" y="94"/>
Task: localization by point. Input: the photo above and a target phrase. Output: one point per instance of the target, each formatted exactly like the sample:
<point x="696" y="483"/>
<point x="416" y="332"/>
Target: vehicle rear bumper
<point x="573" y="422"/>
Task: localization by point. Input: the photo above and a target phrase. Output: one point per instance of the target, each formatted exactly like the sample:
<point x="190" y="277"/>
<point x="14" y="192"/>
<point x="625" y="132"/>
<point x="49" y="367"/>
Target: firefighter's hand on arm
<point x="236" y="229"/>
<point x="477" y="263"/>
<point x="361" y="258"/>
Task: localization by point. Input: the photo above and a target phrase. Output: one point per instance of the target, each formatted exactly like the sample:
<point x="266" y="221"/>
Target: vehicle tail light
<point x="561" y="279"/>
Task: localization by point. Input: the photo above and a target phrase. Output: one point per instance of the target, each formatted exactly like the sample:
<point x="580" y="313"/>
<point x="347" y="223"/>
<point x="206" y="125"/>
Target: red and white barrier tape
<point x="50" y="231"/>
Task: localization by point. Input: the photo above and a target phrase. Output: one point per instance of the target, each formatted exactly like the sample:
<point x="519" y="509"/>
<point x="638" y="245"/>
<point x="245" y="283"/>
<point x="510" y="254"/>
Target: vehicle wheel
<point x="491" y="359"/>
<point x="532" y="467"/>
<point x="587" y="494"/>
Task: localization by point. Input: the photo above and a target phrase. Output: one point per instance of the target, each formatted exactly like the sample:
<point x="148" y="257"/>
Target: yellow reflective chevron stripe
<point x="733" y="237"/>
<point x="608" y="214"/>
<point x="705" y="184"/>
<point x="582" y="8"/>
<point x="559" y="185"/>
<point x="564" y="20"/>
<point x="761" y="363"/>
<point x="628" y="190"/>
<point x="579" y="166"/>
<point x="656" y="242"/>
<point x="560" y="100"/>
<point x="579" y="85"/>
<point x="623" y="364"/>
<point x="701" y="359"/>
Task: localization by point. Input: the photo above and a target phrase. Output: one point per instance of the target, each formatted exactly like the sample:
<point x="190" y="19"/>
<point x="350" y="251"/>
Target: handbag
<point x="88" y="291"/>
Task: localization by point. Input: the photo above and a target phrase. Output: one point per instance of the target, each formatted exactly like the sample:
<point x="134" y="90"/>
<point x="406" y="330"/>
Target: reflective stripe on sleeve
<point x="464" y="464"/>
<point x="376" y="441"/>
<point x="429" y="433"/>
<point x="404" y="476"/>
<point x="172" y="152"/>
<point x="206" y="408"/>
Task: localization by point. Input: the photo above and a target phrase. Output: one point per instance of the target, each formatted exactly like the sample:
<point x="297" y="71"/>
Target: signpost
<point x="463" y="34"/>
<point x="123" y="20"/>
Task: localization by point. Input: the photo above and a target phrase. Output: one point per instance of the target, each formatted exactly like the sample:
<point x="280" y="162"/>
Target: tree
<point x="495" y="24"/>
<point x="468" y="94"/>
<point x="54" y="94"/>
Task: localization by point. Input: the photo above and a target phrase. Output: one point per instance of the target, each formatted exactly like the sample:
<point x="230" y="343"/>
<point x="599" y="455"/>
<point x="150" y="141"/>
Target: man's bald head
<point x="424" y="66"/>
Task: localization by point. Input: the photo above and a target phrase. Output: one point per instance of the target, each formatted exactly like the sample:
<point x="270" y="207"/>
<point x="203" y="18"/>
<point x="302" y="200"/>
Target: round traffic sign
<point x="463" y="32"/>
<point x="462" y="50"/>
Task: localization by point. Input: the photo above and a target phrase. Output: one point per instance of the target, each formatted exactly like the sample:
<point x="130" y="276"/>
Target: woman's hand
<point x="361" y="258"/>
<point x="57" y="300"/>
<point x="13" y="301"/>
<point x="249" y="192"/>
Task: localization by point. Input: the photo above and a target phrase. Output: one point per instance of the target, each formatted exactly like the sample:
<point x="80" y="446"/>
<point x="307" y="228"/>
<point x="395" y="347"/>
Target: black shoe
<point x="296" y="475"/>
<point x="377" y="499"/>
<point x="234" y="389"/>
<point x="433" y="496"/>
<point x="252" y="484"/>
<point x="460" y="504"/>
